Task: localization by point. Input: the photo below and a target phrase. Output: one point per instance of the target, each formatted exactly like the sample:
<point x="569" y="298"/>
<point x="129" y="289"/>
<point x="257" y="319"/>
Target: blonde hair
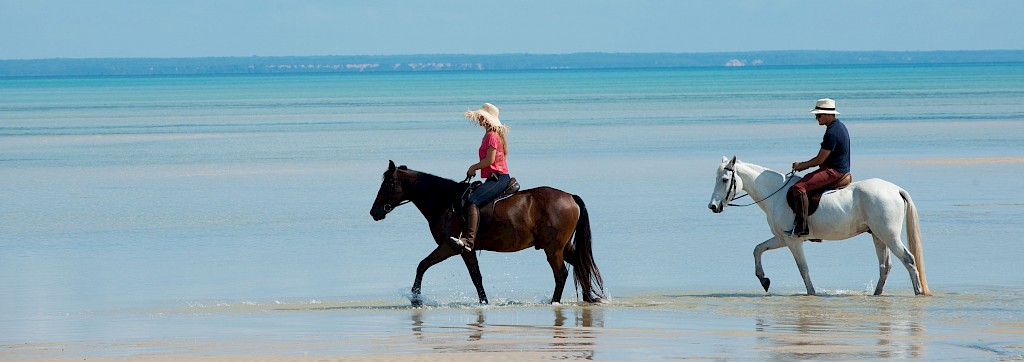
<point x="500" y="129"/>
<point x="487" y="117"/>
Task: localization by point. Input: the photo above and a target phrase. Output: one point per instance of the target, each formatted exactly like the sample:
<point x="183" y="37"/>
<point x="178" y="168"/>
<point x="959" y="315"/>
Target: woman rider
<point x="492" y="166"/>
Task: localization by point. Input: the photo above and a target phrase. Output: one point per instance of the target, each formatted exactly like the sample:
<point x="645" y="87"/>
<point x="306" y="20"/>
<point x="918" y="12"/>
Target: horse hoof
<point x="416" y="303"/>
<point x="765" y="283"/>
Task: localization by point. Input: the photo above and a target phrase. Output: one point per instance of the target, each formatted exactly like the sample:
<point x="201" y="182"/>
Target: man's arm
<point x="817" y="160"/>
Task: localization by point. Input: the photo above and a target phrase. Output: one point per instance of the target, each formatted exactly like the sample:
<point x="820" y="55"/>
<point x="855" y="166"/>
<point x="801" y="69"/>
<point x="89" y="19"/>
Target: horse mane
<point x="422" y="180"/>
<point x="764" y="174"/>
<point x="762" y="170"/>
<point x="420" y="177"/>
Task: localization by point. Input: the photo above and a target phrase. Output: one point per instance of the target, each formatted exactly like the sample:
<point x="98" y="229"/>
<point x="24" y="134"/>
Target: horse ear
<point x="725" y="159"/>
<point x="392" y="170"/>
<point x="733" y="162"/>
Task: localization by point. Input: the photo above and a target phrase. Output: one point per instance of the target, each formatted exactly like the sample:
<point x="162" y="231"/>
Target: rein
<point x="732" y="185"/>
<point x="394" y="186"/>
<point x="388" y="207"/>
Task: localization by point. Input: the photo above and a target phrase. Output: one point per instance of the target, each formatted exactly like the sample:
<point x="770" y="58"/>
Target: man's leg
<point x="816" y="180"/>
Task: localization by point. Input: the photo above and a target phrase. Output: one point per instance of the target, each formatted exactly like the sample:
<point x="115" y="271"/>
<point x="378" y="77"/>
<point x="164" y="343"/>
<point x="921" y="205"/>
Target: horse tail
<point x="914" y="240"/>
<point x="585" y="273"/>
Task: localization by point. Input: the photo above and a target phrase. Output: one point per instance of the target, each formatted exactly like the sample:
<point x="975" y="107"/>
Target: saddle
<point x="488" y="209"/>
<point x="814" y="197"/>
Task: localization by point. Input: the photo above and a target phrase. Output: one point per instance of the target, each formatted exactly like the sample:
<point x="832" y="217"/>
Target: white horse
<point x="874" y="206"/>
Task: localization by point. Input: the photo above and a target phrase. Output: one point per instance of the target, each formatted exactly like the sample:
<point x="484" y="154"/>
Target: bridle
<point x="395" y="189"/>
<point x="388" y="207"/>
<point x="393" y="185"/>
<point x="732" y="188"/>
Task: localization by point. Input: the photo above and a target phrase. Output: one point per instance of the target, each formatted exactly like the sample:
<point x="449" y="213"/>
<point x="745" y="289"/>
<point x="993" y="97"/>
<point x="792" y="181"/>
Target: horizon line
<point x="522" y="53"/>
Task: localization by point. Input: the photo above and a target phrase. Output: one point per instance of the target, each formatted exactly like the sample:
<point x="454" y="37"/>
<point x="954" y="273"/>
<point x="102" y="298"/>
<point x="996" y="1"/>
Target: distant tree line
<point x="470" y="62"/>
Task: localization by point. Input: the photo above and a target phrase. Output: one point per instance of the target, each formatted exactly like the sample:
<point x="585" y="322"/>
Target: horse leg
<point x="439" y="254"/>
<point x="557" y="262"/>
<point x="474" y="273"/>
<point x="770" y="244"/>
<point x="884" y="264"/>
<point x="902" y="254"/>
<point x="797" y="248"/>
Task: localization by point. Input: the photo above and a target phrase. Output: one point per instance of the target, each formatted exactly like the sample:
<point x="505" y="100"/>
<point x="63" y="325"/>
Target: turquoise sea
<point x="229" y="215"/>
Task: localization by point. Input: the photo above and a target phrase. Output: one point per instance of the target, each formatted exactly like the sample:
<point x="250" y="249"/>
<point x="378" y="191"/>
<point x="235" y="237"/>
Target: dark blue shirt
<point x="837" y="140"/>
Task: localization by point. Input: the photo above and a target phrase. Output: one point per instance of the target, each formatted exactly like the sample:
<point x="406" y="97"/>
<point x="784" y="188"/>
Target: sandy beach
<point x="834" y="326"/>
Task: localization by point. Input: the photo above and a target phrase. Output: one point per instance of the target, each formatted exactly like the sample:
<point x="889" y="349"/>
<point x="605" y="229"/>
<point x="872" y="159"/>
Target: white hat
<point x="490" y="115"/>
<point x="824" y="106"/>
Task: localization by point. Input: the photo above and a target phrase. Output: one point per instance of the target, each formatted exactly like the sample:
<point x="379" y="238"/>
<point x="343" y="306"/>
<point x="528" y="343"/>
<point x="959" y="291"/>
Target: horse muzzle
<point x="378" y="213"/>
<point x="716" y="208"/>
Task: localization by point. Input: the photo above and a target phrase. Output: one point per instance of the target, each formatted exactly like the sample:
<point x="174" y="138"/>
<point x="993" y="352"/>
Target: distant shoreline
<point x="474" y="62"/>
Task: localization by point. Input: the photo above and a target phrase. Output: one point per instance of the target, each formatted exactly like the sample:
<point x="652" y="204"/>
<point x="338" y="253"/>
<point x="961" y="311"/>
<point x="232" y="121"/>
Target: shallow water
<point x="144" y="214"/>
<point x="833" y="326"/>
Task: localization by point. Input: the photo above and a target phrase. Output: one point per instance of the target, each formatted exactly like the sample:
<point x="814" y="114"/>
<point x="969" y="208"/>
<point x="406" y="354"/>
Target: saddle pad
<point x="487" y="211"/>
<point x="814" y="197"/>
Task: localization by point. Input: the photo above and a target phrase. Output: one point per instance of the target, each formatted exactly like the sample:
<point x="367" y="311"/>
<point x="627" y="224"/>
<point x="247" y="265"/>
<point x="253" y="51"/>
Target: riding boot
<point x="800" y="224"/>
<point x="469" y="234"/>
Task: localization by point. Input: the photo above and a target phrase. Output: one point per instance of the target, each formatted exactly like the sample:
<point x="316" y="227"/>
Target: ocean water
<point x="175" y="208"/>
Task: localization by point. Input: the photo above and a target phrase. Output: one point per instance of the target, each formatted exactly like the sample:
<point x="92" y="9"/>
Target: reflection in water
<point x="476" y="330"/>
<point x="819" y="328"/>
<point x="417" y="323"/>
<point x="572" y="332"/>
<point x="577" y="339"/>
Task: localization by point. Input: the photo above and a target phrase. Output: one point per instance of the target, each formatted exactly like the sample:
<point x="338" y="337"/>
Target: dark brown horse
<point x="542" y="217"/>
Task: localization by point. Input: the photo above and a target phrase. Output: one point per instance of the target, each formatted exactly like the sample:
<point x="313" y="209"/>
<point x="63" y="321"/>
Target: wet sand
<point x="835" y="326"/>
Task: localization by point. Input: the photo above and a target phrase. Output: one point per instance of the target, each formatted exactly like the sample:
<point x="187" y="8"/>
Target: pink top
<point x="491" y="139"/>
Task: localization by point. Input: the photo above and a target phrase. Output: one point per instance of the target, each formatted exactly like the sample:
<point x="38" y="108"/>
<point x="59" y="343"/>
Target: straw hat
<point x="824" y="106"/>
<point x="490" y="115"/>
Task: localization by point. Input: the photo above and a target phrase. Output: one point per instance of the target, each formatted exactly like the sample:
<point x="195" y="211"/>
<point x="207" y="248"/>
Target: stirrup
<point x="796" y="234"/>
<point x="460" y="244"/>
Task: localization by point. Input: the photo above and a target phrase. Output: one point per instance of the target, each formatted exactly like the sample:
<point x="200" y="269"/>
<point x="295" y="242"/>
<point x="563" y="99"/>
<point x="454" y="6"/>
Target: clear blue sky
<point x="31" y="29"/>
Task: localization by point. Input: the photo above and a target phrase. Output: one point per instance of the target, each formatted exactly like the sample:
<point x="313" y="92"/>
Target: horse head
<point x="390" y="194"/>
<point x="727" y="184"/>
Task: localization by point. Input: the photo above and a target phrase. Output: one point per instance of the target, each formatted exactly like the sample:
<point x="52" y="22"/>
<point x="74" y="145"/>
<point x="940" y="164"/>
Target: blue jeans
<point x="490" y="189"/>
